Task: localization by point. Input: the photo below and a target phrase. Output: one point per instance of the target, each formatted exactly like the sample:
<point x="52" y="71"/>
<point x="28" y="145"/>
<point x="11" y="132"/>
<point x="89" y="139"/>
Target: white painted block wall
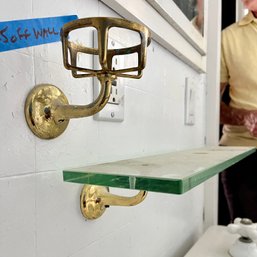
<point x="39" y="213"/>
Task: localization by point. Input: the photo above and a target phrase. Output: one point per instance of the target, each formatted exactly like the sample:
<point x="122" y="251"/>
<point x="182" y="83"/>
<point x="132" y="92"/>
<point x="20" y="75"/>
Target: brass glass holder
<point x="47" y="110"/>
<point x="95" y="199"/>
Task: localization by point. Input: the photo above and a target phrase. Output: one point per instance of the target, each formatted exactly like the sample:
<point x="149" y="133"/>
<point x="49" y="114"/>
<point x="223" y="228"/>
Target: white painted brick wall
<point x="39" y="213"/>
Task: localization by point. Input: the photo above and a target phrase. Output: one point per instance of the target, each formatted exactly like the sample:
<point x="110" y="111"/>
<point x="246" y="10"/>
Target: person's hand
<point x="250" y="122"/>
<point x="200" y="15"/>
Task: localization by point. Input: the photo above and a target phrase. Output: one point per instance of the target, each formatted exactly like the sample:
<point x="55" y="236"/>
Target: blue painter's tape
<point x="24" y="33"/>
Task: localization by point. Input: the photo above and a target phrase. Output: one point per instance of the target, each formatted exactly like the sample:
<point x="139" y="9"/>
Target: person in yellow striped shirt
<point x="239" y="71"/>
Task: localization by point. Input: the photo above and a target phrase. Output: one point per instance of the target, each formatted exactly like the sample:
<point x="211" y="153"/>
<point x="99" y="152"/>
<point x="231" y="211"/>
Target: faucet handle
<point x="243" y="246"/>
<point x="245" y="228"/>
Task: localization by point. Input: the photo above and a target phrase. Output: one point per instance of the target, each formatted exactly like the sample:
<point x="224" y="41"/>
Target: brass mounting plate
<point x="39" y="108"/>
<point x="91" y="204"/>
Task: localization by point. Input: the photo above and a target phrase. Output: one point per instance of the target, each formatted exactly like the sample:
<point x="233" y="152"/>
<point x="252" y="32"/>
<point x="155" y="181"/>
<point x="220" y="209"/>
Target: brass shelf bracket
<point x="47" y="110"/>
<point x="95" y="199"/>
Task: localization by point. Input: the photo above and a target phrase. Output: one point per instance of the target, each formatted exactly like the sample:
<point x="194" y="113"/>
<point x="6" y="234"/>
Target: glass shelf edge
<point x="220" y="167"/>
<point x="161" y="185"/>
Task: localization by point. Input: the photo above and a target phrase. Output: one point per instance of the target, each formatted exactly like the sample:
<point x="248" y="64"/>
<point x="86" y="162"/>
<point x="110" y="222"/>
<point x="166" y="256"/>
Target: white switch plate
<point x="189" y="102"/>
<point x="114" y="109"/>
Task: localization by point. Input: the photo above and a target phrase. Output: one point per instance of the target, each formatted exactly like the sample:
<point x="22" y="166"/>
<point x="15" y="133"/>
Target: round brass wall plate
<point x="91" y="204"/>
<point x="39" y="111"/>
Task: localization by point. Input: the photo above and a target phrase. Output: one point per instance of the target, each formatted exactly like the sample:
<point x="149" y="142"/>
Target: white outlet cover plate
<point x="112" y="111"/>
<point x="190" y="102"/>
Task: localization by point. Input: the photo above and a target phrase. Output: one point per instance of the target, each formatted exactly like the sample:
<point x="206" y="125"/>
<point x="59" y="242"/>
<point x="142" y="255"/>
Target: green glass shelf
<point x="175" y="172"/>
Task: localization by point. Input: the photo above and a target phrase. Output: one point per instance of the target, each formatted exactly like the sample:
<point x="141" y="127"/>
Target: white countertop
<point x="215" y="242"/>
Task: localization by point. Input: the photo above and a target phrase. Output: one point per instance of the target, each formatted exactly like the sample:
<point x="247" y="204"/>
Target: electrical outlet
<point x="189" y="102"/>
<point x="114" y="109"/>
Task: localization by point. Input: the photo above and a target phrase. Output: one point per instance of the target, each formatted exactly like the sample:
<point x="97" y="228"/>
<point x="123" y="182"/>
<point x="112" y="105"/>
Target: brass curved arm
<point x="117" y="200"/>
<point x="48" y="112"/>
<point x="64" y="112"/>
<point x="95" y="199"/>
